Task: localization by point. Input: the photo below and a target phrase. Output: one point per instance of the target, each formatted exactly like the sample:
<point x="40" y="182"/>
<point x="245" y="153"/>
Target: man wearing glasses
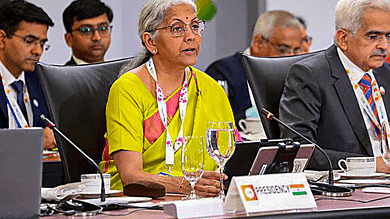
<point x="23" y="39"/>
<point x="88" y="30"/>
<point x="338" y="98"/>
<point x="276" y="33"/>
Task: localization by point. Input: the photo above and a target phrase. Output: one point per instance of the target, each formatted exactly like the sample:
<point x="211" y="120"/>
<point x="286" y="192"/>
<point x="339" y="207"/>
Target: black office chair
<point x="76" y="99"/>
<point x="266" y="78"/>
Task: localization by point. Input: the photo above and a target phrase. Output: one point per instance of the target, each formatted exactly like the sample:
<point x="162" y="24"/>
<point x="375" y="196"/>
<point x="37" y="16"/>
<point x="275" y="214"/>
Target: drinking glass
<point x="220" y="141"/>
<point x="192" y="162"/>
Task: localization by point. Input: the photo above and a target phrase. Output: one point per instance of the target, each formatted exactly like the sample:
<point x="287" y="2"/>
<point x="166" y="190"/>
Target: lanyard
<point x="382" y="124"/>
<point x="13" y="105"/>
<point x="376" y="95"/>
<point x="162" y="109"/>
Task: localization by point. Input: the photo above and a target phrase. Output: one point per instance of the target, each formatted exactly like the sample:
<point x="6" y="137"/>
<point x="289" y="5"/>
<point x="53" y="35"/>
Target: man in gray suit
<point x="338" y="98"/>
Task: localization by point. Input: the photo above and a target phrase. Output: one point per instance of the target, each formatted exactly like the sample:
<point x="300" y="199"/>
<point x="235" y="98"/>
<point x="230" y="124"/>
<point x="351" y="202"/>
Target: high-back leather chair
<point x="266" y="77"/>
<point x="76" y="99"/>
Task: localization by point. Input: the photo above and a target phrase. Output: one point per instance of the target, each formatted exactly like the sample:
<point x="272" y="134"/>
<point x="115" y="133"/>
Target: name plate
<point x="204" y="207"/>
<point x="272" y="192"/>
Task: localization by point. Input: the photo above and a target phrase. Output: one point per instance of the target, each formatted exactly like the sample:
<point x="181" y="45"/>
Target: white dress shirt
<point x="9" y="79"/>
<point x="79" y="61"/>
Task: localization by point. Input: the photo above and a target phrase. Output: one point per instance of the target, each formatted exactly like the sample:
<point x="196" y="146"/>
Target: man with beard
<point x="337" y="98"/>
<point x="23" y="39"/>
<point x="88" y="30"/>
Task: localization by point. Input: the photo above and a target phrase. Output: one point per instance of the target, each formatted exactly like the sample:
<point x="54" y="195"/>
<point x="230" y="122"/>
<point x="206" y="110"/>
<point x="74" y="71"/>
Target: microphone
<point x="319" y="188"/>
<point x="271" y="116"/>
<point x="52" y="126"/>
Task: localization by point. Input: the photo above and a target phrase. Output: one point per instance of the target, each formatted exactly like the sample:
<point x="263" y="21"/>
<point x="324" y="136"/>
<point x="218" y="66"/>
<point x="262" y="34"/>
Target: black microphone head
<point x="46" y="121"/>
<point x="267" y="113"/>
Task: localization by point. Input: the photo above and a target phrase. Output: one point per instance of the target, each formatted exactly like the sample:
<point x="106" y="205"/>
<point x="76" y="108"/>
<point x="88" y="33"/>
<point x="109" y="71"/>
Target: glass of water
<point x="220" y="141"/>
<point x="192" y="162"/>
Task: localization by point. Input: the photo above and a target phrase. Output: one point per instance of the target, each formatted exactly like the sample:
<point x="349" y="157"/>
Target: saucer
<point x="359" y="176"/>
<point x="86" y="194"/>
<point x="365" y="181"/>
<point x="252" y="136"/>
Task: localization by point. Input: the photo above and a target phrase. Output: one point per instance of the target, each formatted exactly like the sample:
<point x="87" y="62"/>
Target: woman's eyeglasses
<point x="179" y="29"/>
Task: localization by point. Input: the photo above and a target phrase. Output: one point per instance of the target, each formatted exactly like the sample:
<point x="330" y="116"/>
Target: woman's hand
<point x="207" y="186"/>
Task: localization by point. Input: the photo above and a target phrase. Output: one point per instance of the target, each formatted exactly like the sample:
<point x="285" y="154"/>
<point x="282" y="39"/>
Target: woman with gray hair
<point x="160" y="98"/>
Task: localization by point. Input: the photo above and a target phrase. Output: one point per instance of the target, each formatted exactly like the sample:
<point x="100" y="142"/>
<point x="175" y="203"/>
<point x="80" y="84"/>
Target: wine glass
<point x="192" y="162"/>
<point x="220" y="141"/>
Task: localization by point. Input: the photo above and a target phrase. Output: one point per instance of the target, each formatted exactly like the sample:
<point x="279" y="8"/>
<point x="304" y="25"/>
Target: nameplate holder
<point x="204" y="207"/>
<point x="271" y="192"/>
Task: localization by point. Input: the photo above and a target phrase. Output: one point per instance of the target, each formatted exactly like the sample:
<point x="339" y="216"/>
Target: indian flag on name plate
<point x="297" y="189"/>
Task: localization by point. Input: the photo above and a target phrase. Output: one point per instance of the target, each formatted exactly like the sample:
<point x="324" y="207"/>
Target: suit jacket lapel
<point x="35" y="100"/>
<point x="3" y="102"/>
<point x="348" y="99"/>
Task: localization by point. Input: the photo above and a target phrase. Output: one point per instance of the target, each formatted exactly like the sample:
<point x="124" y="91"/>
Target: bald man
<point x="276" y="33"/>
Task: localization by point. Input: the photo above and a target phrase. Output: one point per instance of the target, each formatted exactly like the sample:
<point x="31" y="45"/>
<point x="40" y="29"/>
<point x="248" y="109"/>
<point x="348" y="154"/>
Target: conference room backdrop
<point x="227" y="32"/>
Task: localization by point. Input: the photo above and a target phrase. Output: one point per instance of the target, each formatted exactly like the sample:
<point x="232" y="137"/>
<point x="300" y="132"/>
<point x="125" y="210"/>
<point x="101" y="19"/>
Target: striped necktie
<point x="18" y="86"/>
<point x="365" y="85"/>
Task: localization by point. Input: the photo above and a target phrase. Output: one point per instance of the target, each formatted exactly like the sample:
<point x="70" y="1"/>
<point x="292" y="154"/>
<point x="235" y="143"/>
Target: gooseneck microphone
<point x="271" y="116"/>
<point x="52" y="126"/>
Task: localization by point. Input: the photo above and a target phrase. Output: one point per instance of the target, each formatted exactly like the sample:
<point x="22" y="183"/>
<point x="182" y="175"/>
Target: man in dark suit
<point x="337" y="98"/>
<point x="88" y="30"/>
<point x="276" y="33"/>
<point x="23" y="38"/>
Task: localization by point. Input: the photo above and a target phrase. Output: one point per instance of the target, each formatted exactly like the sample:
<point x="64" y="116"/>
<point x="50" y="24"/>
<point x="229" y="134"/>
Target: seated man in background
<point x="88" y="30"/>
<point x="337" y="98"/>
<point x="23" y="39"/>
<point x="276" y="33"/>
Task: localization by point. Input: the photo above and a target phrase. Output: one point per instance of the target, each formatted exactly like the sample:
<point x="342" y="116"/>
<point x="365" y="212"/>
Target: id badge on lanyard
<point x="170" y="147"/>
<point x="16" y="112"/>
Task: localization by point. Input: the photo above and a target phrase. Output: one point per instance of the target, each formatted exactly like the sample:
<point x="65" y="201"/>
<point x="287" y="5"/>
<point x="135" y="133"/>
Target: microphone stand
<point x="271" y="116"/>
<point x="52" y="126"/>
<point x="324" y="189"/>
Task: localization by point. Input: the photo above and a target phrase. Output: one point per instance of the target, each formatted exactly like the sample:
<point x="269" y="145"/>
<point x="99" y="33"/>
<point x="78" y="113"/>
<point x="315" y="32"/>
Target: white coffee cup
<point x="358" y="165"/>
<point x="250" y="125"/>
<point x="93" y="182"/>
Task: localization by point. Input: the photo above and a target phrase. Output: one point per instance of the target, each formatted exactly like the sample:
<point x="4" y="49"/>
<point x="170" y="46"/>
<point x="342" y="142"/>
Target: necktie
<point x="365" y="85"/>
<point x="18" y="86"/>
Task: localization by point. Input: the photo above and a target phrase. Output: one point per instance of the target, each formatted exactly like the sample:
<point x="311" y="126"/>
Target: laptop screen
<point x="20" y="172"/>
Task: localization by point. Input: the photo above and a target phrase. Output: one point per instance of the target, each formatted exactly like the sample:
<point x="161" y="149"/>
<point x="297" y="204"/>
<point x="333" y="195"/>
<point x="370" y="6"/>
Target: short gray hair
<point x="152" y="15"/>
<point x="267" y="21"/>
<point x="349" y="13"/>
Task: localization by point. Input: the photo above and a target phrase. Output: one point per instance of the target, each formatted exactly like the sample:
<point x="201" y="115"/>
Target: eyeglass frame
<point x="185" y="28"/>
<point x="279" y="49"/>
<point x="93" y="29"/>
<point x="307" y="39"/>
<point x="35" y="41"/>
<point x="367" y="36"/>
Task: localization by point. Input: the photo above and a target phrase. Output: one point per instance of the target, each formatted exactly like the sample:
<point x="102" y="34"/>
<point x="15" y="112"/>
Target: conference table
<point x="359" y="205"/>
<point x="365" y="205"/>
